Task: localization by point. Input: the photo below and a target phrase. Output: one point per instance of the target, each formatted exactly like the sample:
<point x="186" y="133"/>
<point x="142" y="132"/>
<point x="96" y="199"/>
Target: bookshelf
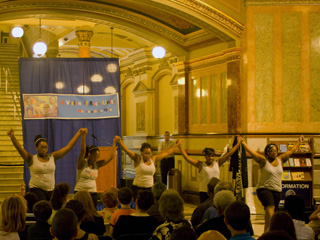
<point x="298" y="170"/>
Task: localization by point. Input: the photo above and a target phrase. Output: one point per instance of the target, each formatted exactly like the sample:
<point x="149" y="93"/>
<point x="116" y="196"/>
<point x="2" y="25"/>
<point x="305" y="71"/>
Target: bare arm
<point x="225" y="157"/>
<point x="130" y="153"/>
<point x="27" y="157"/>
<point x="104" y="162"/>
<point x="167" y="152"/>
<point x="81" y="160"/>
<point x="63" y="151"/>
<point x="285" y="156"/>
<point x="260" y="159"/>
<point x="193" y="162"/>
<point x="314" y="215"/>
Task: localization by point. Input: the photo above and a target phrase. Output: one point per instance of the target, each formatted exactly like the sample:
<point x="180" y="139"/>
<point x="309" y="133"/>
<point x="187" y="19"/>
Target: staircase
<point x="11" y="177"/>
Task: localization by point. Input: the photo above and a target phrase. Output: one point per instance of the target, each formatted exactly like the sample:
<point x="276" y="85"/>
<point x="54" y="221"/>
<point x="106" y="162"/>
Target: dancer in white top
<point x="209" y="168"/>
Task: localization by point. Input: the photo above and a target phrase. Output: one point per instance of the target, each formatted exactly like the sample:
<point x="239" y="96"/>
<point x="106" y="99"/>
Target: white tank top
<point x="271" y="177"/>
<point x="144" y="174"/>
<point x="206" y="174"/>
<point x="86" y="178"/>
<point x="42" y="173"/>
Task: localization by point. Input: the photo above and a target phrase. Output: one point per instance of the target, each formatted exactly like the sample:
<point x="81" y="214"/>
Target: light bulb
<point x="158" y="52"/>
<point x="17" y="32"/>
<point x="40" y="48"/>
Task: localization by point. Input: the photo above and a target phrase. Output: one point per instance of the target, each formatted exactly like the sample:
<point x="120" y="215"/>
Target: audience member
<point x="78" y="209"/>
<point x="31" y="198"/>
<point x="59" y="198"/>
<point x="157" y="190"/>
<point x="171" y="209"/>
<point x="237" y="217"/>
<point x="139" y="222"/>
<point x="185" y="232"/>
<point x="275" y="235"/>
<point x="283" y="221"/>
<point x="294" y="204"/>
<point x="41" y="229"/>
<point x="315" y="220"/>
<point x="211" y="234"/>
<point x="92" y="221"/>
<point x="64" y="225"/>
<point x="124" y="197"/>
<point x="13" y="217"/>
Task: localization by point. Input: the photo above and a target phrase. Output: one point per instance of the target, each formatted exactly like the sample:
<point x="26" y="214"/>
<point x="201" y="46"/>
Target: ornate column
<point x="53" y="50"/>
<point x="84" y="35"/>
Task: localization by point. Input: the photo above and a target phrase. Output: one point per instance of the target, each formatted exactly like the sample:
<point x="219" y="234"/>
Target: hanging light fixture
<point x="17" y="32"/>
<point x="39" y="48"/>
<point x="158" y="52"/>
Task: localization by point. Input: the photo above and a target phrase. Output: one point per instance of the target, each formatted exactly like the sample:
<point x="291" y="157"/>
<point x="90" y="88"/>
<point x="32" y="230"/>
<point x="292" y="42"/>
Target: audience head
<point x="223" y="186"/>
<point x="212" y="234"/>
<point x="77" y="207"/>
<point x="184" y="232"/>
<point x="212" y="184"/>
<point x="237" y="215"/>
<point x="13" y="214"/>
<point x="294" y="204"/>
<point x="60" y="195"/>
<point x="125" y="195"/>
<point x="157" y="190"/>
<point x="85" y="198"/>
<point x="276" y="235"/>
<point x="42" y="210"/>
<point x="222" y="199"/>
<point x="31" y="198"/>
<point x="109" y="198"/>
<point x="144" y="200"/>
<point x="283" y="221"/>
<point x="171" y="206"/>
<point x="64" y="224"/>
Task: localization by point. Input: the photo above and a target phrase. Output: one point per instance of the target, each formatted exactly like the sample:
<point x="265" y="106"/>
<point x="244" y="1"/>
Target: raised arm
<point x="285" y="156"/>
<point x="232" y="151"/>
<point x="104" y="162"/>
<point x="81" y="158"/>
<point x="167" y="152"/>
<point x="256" y="156"/>
<point x="27" y="157"/>
<point x="190" y="160"/>
<point x="130" y="153"/>
<point x="63" y="151"/>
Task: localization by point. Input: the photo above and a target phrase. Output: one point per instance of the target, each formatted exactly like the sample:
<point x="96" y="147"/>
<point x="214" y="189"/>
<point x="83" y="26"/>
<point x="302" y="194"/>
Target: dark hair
<point x="276" y="235"/>
<point x="184" y="232"/>
<point x="145" y="146"/>
<point x="59" y="195"/>
<point x="283" y="221"/>
<point x="77" y="207"/>
<point x="64" y="224"/>
<point x="157" y="190"/>
<point x="42" y="210"/>
<point x="212" y="184"/>
<point x="237" y="215"/>
<point x="38" y="139"/>
<point x="90" y="149"/>
<point x="144" y="200"/>
<point x="208" y="151"/>
<point x="32" y="199"/>
<point x="125" y="195"/>
<point x="294" y="204"/>
<point x="270" y="145"/>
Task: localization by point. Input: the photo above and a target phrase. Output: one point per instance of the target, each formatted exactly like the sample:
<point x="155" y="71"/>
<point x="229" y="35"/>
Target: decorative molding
<point x="141" y="89"/>
<point x="281" y="2"/>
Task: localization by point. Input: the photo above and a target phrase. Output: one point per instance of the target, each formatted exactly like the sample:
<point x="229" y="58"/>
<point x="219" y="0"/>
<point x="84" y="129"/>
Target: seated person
<point x="157" y="190"/>
<point x="32" y="199"/>
<point x="211" y="234"/>
<point x="78" y="209"/>
<point x="237" y="217"/>
<point x="125" y="196"/>
<point x="41" y="229"/>
<point x="184" y="232"/>
<point x="276" y="235"/>
<point x="64" y="225"/>
<point x="139" y="222"/>
<point x="281" y="220"/>
<point x="315" y="220"/>
<point x="109" y="198"/>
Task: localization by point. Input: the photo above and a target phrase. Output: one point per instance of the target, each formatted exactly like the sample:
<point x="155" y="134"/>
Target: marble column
<point x="183" y="88"/>
<point x="84" y="35"/>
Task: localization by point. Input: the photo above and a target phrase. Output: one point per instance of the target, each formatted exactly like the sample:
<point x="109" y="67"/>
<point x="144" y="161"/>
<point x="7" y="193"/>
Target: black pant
<point x="42" y="194"/>
<point x="166" y="165"/>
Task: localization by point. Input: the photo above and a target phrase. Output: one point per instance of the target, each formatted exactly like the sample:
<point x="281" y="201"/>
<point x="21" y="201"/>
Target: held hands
<point x="83" y="131"/>
<point x="10" y="132"/>
<point x="179" y="142"/>
<point x="117" y="139"/>
<point x="239" y="139"/>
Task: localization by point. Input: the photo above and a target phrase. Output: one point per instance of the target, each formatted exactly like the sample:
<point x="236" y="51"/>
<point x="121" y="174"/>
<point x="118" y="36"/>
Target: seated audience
<point x="92" y="222"/>
<point x="78" y="209"/>
<point x="31" y="198"/>
<point x="237" y="217"/>
<point x="13" y="217"/>
<point x="283" y="221"/>
<point x="275" y="235"/>
<point x="64" y="225"/>
<point x="315" y="220"/>
<point x="221" y="200"/>
<point x="41" y="229"/>
<point x="211" y="234"/>
<point x="171" y="209"/>
<point x="157" y="190"/>
<point x="294" y="204"/>
<point x="139" y="222"/>
<point x="184" y="232"/>
<point x="58" y="198"/>
<point x="109" y="198"/>
<point x="125" y="196"/>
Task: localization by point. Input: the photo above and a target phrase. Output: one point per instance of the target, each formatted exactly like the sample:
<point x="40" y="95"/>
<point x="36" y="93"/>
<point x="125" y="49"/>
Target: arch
<point x="126" y="114"/>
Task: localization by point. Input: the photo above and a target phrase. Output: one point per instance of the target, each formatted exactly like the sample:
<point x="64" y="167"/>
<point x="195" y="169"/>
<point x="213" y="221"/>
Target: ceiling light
<point x="40" y="48"/>
<point x="158" y="52"/>
<point x="17" y="32"/>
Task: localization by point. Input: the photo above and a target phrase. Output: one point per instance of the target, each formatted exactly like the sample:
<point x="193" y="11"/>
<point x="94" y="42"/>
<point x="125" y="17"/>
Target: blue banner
<point x="70" y="106"/>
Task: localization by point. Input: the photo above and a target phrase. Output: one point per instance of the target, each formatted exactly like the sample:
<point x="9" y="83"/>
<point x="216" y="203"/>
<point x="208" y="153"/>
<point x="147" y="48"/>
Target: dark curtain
<point x="41" y="76"/>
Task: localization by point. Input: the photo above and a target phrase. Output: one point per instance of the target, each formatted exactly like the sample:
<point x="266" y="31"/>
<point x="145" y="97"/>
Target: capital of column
<point x="84" y="35"/>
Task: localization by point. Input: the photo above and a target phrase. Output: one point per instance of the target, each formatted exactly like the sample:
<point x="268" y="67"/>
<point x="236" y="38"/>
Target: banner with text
<point x="70" y="106"/>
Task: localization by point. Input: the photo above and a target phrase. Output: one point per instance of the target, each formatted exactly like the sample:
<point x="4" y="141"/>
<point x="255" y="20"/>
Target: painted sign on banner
<point x="70" y="106"/>
<point x="302" y="188"/>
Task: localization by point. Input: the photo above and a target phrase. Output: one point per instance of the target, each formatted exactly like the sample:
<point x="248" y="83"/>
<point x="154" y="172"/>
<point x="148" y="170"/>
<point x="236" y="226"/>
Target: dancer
<point x="269" y="186"/>
<point x="88" y="166"/>
<point x="209" y="168"/>
<point x="42" y="165"/>
<point x="144" y="164"/>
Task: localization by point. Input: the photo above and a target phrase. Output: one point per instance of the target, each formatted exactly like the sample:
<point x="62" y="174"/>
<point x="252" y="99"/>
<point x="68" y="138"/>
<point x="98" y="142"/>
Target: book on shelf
<point x="291" y="163"/>
<point x="296" y="162"/>
<point x="286" y="164"/>
<point x="304" y="147"/>
<point x="290" y="145"/>
<point x="283" y="147"/>
<point x="303" y="162"/>
<point x="297" y="175"/>
<point x="286" y="175"/>
<point x="308" y="162"/>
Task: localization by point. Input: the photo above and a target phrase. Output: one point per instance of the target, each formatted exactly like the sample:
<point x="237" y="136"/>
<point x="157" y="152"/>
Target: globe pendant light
<point x="39" y="48"/>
